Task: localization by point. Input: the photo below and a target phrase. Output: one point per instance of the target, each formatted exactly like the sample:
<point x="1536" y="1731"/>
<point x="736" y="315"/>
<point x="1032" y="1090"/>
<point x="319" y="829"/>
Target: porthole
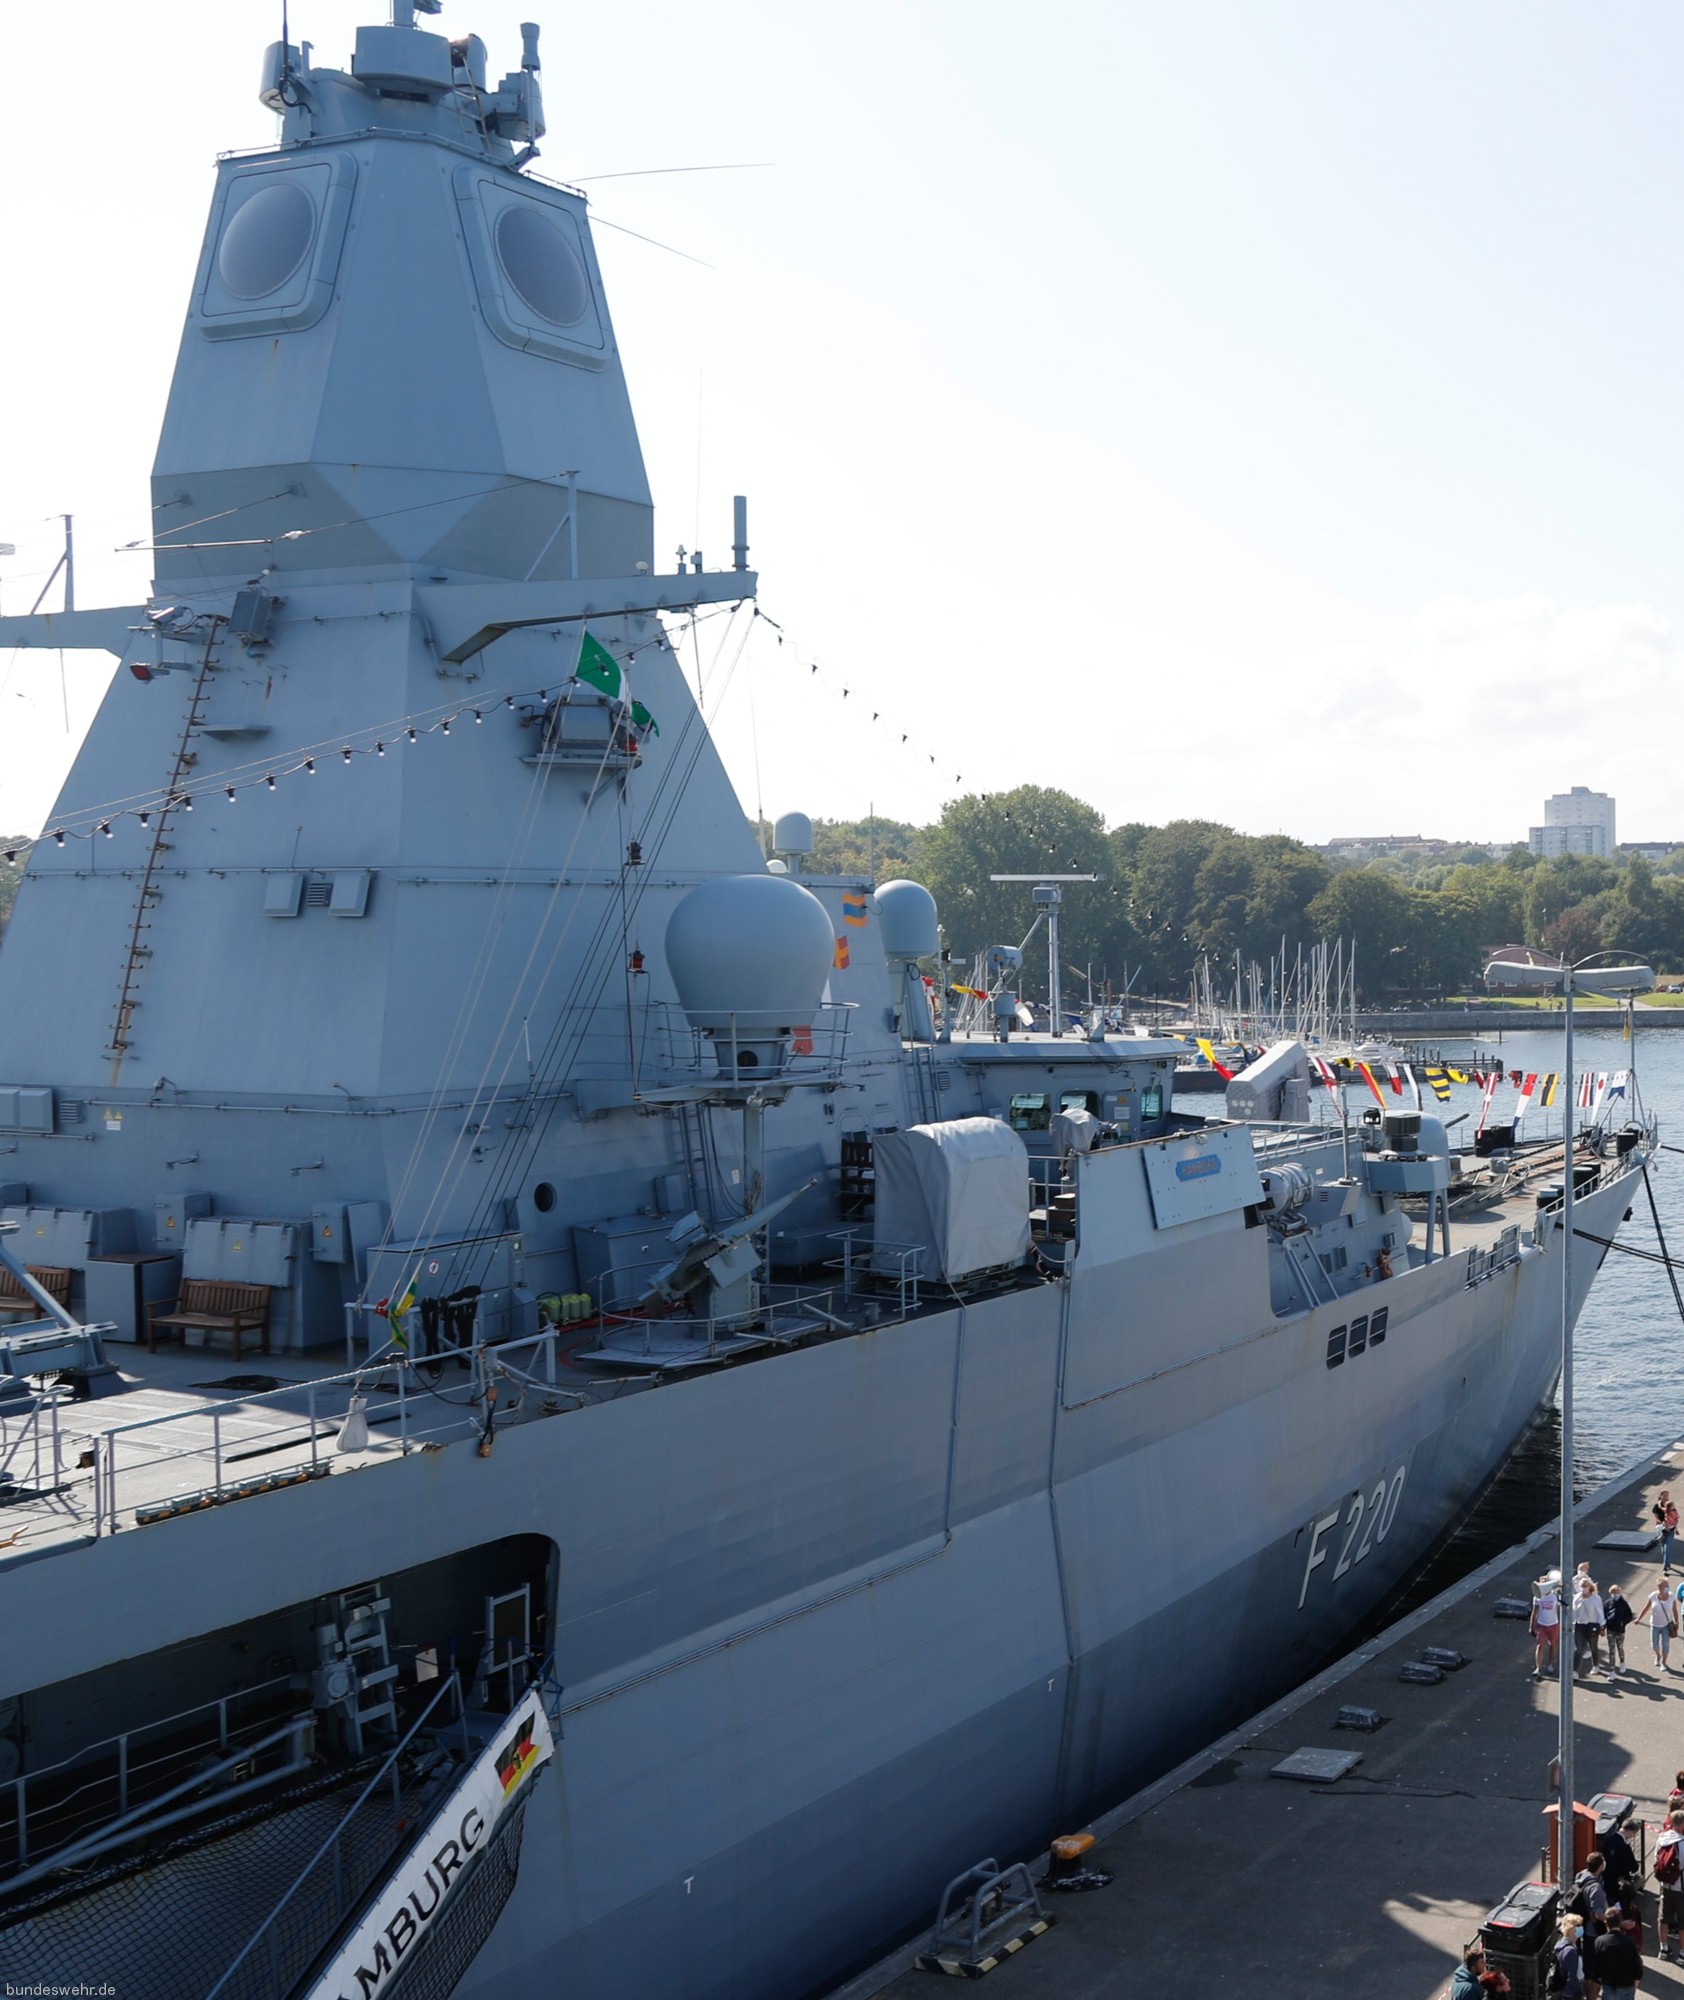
<point x="266" y="239"/>
<point x="542" y="265"/>
<point x="543" y="1197"/>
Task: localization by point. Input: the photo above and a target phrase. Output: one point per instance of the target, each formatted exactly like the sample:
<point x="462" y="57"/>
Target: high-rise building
<point x="1577" y="822"/>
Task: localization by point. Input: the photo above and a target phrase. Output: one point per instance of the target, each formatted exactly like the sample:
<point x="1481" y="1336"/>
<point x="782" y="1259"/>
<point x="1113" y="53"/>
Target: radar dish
<point x="542" y="266"/>
<point x="266" y="239"/>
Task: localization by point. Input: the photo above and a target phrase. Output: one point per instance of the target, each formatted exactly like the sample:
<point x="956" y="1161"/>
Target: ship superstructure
<point x="564" y="1430"/>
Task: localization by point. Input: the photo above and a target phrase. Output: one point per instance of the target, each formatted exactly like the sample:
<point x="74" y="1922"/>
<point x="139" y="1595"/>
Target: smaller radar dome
<point x="793" y="834"/>
<point x="749" y="956"/>
<point x="906" y="912"/>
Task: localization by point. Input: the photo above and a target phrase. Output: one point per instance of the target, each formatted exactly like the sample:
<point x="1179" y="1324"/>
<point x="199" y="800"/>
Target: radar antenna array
<point x="1049" y="896"/>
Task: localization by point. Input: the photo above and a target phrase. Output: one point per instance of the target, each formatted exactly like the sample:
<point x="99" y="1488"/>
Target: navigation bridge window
<point x="1152" y="1102"/>
<point x="1032" y="1110"/>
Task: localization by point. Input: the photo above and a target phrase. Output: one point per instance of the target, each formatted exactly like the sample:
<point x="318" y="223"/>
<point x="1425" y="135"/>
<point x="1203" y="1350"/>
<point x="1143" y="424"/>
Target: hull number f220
<point x="1368" y="1516"/>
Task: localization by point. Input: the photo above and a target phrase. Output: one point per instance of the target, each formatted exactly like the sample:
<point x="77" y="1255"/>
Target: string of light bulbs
<point x="89" y="823"/>
<point x="832" y="685"/>
<point x="919" y="751"/>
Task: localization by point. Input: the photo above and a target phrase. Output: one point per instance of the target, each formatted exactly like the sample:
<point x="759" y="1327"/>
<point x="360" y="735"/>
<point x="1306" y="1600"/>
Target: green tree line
<point x="1166" y="896"/>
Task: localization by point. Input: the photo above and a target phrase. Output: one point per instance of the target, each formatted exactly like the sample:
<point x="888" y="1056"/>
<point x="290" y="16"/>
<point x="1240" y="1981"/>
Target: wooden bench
<point x="211" y="1305"/>
<point x="16" y="1303"/>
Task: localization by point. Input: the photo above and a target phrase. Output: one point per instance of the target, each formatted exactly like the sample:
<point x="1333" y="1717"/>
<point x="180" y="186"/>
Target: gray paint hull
<point x="836" y="1624"/>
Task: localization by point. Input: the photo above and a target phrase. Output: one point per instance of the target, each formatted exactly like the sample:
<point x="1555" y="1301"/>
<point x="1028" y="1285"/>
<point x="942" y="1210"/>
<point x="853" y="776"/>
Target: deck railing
<point x="63" y="1802"/>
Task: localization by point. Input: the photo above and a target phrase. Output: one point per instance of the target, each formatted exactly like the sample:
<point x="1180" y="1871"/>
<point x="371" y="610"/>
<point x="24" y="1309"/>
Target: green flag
<point x="598" y="666"/>
<point x="644" y="720"/>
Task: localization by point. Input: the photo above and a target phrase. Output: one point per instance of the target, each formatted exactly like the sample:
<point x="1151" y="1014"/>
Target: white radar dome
<point x="906" y="912"/>
<point x="749" y="956"/>
<point x="792" y="834"/>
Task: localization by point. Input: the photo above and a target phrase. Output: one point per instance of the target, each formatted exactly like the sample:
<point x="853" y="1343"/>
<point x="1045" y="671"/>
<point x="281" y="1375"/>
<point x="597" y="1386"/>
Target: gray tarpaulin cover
<point x="961" y="1188"/>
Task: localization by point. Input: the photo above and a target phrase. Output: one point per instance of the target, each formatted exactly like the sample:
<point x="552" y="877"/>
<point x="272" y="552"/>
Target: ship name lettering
<point x="401" y="1931"/>
<point x="1377" y="1509"/>
<point x="370" y="1978"/>
<point x="1318" y="1555"/>
<point x="404" y="1928"/>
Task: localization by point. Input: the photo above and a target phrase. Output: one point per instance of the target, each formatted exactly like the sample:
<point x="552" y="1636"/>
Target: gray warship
<point x="563" y="1430"/>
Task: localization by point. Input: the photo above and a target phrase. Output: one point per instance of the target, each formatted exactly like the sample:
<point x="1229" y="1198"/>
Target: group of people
<point x="1596" y="1619"/>
<point x="1597" y="1951"/>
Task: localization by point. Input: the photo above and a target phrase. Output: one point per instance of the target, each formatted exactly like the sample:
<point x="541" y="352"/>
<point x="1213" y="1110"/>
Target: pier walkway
<point x="1232" y="1881"/>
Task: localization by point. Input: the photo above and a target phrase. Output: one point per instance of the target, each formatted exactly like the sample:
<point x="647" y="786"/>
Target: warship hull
<point x="834" y="1625"/>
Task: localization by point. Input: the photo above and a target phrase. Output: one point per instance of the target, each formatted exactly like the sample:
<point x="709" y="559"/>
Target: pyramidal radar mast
<point x="398" y="477"/>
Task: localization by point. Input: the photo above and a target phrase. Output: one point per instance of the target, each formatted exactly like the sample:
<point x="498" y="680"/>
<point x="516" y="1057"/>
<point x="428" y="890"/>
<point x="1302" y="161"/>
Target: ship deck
<point x="1372" y="1882"/>
<point x="176" y="1425"/>
<point x="181" y="1429"/>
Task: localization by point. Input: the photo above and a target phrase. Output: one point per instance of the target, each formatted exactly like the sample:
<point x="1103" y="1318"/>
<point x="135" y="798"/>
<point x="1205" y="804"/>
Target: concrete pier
<point x="1230" y="1880"/>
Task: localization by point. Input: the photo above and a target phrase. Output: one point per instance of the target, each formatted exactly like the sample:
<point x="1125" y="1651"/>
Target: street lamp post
<point x="1568" y="979"/>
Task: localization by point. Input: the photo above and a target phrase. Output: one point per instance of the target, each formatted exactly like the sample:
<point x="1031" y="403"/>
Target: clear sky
<point x="1261" y="410"/>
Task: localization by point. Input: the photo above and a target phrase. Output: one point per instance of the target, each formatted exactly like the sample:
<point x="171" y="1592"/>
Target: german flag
<point x="514" y="1762"/>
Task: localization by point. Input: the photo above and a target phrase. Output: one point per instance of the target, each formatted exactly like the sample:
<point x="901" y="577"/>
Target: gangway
<point x="382" y="1909"/>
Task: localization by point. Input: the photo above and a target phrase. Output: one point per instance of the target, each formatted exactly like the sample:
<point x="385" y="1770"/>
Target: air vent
<point x="26" y="1108"/>
<point x="318" y="893"/>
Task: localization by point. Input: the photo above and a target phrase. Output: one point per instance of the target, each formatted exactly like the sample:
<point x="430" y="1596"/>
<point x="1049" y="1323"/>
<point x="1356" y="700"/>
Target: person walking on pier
<point x="1615" y="1963"/>
<point x="1623" y="1872"/>
<point x="1616" y="1616"/>
<point x="1465" y="1983"/>
<point x="1545" y="1623"/>
<point x="1660" y="1614"/>
<point x="1669" y="1875"/>
<point x="1666" y="1518"/>
<point x="1569" y="1981"/>
<point x="1590" y="1899"/>
<point x="1587" y="1627"/>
